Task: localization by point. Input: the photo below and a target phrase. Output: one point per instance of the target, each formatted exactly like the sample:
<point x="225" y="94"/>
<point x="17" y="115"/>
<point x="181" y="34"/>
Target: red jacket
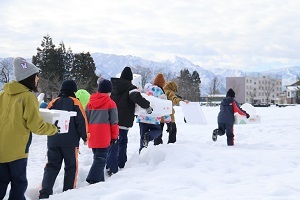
<point x="102" y="115"/>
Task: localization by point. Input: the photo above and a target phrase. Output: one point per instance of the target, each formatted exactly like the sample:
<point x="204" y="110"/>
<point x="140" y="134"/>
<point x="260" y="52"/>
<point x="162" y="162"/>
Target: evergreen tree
<point x="83" y="72"/>
<point x="188" y="85"/>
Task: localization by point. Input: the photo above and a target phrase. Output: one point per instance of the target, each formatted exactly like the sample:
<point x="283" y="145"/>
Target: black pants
<point x="228" y="129"/>
<point x="172" y="129"/>
<point x="14" y="173"/>
<point x="56" y="155"/>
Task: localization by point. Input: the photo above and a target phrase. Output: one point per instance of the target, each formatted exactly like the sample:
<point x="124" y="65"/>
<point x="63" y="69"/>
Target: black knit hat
<point x="69" y="85"/>
<point x="230" y="93"/>
<point x="127" y="74"/>
<point x="104" y="86"/>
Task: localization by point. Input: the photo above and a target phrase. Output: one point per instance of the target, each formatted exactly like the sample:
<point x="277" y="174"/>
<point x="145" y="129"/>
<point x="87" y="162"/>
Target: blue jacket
<point x="228" y="107"/>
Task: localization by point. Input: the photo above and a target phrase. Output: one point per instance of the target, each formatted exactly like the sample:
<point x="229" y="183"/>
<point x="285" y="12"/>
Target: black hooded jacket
<point x="228" y="107"/>
<point x="126" y="95"/>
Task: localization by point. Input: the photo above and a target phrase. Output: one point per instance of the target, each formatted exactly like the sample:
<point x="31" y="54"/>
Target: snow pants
<point x="172" y="129"/>
<point x="56" y="155"/>
<point x="153" y="129"/>
<point x="14" y="173"/>
<point x="228" y="129"/>
<point x="117" y="153"/>
<point x="96" y="173"/>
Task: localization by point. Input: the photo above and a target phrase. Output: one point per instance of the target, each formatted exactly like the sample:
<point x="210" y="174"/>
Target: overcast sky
<point x="238" y="34"/>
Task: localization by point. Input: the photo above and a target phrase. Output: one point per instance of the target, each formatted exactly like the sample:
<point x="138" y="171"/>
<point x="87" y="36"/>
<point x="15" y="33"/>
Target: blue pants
<point x="117" y="154"/>
<point x="228" y="129"/>
<point x="153" y="129"/>
<point x="56" y="155"/>
<point x="14" y="173"/>
<point x="96" y="173"/>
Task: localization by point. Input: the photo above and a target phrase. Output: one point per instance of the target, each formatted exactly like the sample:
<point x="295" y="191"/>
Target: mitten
<point x="58" y="128"/>
<point x="149" y="110"/>
<point x="247" y="115"/>
<point x="113" y="141"/>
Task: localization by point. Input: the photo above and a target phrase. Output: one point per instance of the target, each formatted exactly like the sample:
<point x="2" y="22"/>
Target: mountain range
<point x="109" y="65"/>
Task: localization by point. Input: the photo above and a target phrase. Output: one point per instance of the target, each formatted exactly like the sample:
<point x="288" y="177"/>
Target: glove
<point x="247" y="115"/>
<point x="58" y="128"/>
<point x="113" y="141"/>
<point x="149" y="110"/>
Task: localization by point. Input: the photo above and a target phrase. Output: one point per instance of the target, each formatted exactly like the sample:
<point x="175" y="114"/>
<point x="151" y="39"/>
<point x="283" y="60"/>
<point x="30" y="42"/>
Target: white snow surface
<point x="263" y="164"/>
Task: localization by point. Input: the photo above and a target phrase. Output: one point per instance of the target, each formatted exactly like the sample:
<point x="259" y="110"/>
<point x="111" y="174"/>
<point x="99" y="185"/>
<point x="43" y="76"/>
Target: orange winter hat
<point x="159" y="80"/>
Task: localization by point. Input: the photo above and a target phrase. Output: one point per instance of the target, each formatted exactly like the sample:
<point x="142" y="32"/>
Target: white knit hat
<point x="24" y="69"/>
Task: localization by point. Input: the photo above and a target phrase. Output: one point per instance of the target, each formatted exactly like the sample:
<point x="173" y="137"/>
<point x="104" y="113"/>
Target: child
<point x="126" y="95"/>
<point x="103" y="126"/>
<point x="228" y="107"/>
<point x="170" y="90"/>
<point x="65" y="147"/>
<point x="19" y="118"/>
<point x="150" y="127"/>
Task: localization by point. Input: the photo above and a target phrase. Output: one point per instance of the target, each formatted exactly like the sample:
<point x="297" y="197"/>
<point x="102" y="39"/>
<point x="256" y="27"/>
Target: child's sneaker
<point x="215" y="135"/>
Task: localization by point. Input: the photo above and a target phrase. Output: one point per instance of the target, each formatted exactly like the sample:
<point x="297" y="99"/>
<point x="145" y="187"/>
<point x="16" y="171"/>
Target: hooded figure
<point x="228" y="107"/>
<point x="102" y="115"/>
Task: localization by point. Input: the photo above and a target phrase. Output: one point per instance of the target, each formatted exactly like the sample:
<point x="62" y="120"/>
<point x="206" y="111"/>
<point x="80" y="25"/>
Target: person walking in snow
<point x="228" y="107"/>
<point x="65" y="147"/>
<point x="150" y="126"/>
<point x="160" y="81"/>
<point x="170" y="90"/>
<point x="126" y="95"/>
<point x="102" y="115"/>
<point x="19" y="118"/>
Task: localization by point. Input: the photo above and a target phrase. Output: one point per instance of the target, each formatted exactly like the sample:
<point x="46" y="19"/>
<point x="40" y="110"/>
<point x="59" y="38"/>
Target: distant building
<point x="256" y="89"/>
<point x="292" y="93"/>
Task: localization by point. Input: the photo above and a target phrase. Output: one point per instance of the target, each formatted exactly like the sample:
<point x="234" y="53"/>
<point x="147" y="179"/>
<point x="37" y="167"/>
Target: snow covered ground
<point x="263" y="164"/>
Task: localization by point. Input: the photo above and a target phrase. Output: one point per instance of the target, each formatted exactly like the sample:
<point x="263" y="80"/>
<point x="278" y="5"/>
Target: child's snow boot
<point x="215" y="135"/>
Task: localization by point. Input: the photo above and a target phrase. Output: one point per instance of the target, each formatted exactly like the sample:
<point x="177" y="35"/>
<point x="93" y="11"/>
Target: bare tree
<point x="268" y="88"/>
<point x="5" y="70"/>
<point x="145" y="73"/>
<point x="214" y="88"/>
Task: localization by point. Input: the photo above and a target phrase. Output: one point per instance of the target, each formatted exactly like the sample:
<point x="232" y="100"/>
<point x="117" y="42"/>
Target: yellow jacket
<point x="19" y="116"/>
<point x="170" y="88"/>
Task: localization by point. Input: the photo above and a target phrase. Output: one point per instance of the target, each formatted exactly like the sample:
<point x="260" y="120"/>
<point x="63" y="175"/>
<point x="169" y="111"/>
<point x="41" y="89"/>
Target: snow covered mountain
<point x="108" y="65"/>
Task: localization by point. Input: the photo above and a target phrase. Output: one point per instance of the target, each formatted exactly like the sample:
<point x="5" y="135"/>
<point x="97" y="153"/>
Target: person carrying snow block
<point x="19" y="118"/>
<point x="126" y="95"/>
<point x="160" y="81"/>
<point x="150" y="127"/>
<point x="65" y="147"/>
<point x="102" y="115"/>
<point x="228" y="107"/>
<point x="170" y="90"/>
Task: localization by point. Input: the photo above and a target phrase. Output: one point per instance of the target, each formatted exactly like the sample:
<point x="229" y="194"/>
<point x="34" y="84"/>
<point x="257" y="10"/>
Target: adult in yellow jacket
<point x="19" y="117"/>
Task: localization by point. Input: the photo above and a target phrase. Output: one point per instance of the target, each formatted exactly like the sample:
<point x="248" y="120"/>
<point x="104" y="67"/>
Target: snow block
<point x="253" y="119"/>
<point x="62" y="116"/>
<point x="193" y="113"/>
<point x="160" y="107"/>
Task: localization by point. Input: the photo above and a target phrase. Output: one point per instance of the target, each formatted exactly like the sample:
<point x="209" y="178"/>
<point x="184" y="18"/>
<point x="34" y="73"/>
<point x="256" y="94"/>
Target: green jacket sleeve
<point x="33" y="119"/>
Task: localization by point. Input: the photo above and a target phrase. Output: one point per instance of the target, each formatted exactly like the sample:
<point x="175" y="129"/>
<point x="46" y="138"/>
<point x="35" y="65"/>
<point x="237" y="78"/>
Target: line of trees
<point x="59" y="64"/>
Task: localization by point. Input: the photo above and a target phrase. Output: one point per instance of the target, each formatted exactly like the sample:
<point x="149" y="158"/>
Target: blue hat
<point x="104" y="86"/>
<point x="69" y="85"/>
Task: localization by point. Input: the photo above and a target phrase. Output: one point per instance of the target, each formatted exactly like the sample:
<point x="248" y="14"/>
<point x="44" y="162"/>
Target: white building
<point x="256" y="89"/>
<point x="291" y="92"/>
